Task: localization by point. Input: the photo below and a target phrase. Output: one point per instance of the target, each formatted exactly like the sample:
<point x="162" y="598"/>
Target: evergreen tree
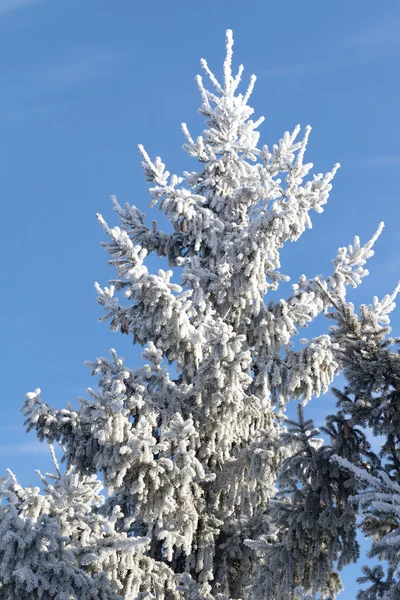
<point x="54" y="545"/>
<point x="312" y="522"/>
<point x="371" y="397"/>
<point x="190" y="462"/>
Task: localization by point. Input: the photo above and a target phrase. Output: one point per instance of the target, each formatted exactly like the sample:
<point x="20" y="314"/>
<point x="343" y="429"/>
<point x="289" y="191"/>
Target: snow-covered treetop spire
<point x="231" y="132"/>
<point x="231" y="83"/>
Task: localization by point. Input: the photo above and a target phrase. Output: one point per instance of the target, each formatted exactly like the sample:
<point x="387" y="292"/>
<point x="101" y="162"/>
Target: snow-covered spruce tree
<point x="371" y="398"/>
<point x="55" y="545"/>
<point x="311" y="520"/>
<point x="190" y="461"/>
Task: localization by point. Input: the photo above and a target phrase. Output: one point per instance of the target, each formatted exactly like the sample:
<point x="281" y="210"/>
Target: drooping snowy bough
<point x="190" y="460"/>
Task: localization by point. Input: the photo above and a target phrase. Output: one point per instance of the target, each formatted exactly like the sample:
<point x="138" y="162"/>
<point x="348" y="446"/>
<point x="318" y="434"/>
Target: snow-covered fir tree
<point x="190" y="461"/>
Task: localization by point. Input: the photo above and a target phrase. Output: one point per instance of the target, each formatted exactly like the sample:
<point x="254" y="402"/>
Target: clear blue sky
<point x="84" y="81"/>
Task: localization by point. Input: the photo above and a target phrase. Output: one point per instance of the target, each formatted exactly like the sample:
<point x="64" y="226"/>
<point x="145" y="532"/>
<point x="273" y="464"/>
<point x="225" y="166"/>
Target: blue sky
<point x="83" y="82"/>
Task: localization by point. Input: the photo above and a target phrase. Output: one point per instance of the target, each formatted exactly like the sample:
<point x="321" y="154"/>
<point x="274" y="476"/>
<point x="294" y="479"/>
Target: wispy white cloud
<point x="24" y="448"/>
<point x="7" y="6"/>
<point x="81" y="66"/>
<point x="380" y="34"/>
<point x="376" y="161"/>
<point x="361" y="44"/>
<point x="45" y="84"/>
